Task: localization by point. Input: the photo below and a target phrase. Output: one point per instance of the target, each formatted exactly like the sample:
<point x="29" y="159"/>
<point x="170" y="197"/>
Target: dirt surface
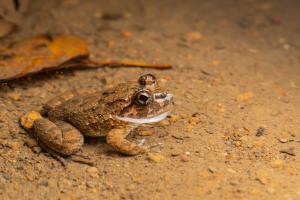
<point x="235" y="130"/>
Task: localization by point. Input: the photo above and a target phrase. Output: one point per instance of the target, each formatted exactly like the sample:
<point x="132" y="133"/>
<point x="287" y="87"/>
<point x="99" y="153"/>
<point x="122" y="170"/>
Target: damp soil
<point x="235" y="129"/>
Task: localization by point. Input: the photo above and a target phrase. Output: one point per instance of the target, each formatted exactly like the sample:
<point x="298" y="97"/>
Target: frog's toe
<point x="117" y="139"/>
<point x="27" y="120"/>
<point x="83" y="159"/>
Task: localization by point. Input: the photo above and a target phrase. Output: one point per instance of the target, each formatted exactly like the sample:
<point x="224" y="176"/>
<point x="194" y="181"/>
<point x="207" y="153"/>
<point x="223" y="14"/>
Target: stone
<point x="283" y="140"/>
<point x="193" y="36"/>
<point x="277" y="163"/>
<point x="155" y="157"/>
<point x="30" y="142"/>
<point x="14" y="145"/>
<point x="14" y="96"/>
<point x="194" y="120"/>
<point x="260" y="131"/>
<point x="245" y="96"/>
<point x="185" y="158"/>
<point x="262" y="176"/>
<point x="93" y="172"/>
<point x="91" y="184"/>
<point x="164" y="122"/>
<point x="4" y="133"/>
<point x="174" y="118"/>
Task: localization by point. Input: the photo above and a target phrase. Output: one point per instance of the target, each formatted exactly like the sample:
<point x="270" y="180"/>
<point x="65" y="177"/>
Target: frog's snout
<point x="164" y="99"/>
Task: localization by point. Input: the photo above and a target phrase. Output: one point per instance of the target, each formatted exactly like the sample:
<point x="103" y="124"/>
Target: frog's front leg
<point x="59" y="136"/>
<point x="117" y="139"/>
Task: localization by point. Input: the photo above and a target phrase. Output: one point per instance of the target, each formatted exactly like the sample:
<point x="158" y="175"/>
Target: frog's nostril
<point x="160" y="96"/>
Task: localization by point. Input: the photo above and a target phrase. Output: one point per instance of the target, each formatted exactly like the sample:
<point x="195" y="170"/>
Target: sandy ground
<point x="235" y="130"/>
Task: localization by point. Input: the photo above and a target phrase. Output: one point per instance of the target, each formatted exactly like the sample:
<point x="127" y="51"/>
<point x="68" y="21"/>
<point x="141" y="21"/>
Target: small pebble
<point x="189" y="127"/>
<point x="245" y="96"/>
<point x="29" y="177"/>
<point x="179" y="136"/>
<point x="283" y="140"/>
<point x="30" y="142"/>
<point x="93" y="172"/>
<point x="260" y="131"/>
<point x="185" y="158"/>
<point x="126" y="34"/>
<point x="91" y="184"/>
<point x="14" y="145"/>
<point x="44" y="183"/>
<point x="174" y="118"/>
<point x="194" y="120"/>
<point x="262" y="176"/>
<point x="237" y="143"/>
<point x="14" y="96"/>
<point x="232" y="171"/>
<point x="175" y="152"/>
<point x="216" y="62"/>
<point x="67" y="182"/>
<point x="4" y="133"/>
<point x="37" y="149"/>
<point x="164" y="122"/>
<point x="155" y="157"/>
<point x="131" y="187"/>
<point x="6" y="176"/>
<point x="211" y="169"/>
<point x="193" y="36"/>
<point x="277" y="163"/>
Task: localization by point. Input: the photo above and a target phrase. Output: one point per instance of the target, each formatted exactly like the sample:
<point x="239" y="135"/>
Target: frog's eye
<point x="143" y="98"/>
<point x="147" y="79"/>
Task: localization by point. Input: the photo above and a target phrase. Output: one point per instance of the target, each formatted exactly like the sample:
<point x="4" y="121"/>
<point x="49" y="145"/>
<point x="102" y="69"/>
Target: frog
<point x="114" y="113"/>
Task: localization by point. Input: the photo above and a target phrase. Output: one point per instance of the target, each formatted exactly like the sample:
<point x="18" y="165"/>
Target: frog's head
<point x="140" y="102"/>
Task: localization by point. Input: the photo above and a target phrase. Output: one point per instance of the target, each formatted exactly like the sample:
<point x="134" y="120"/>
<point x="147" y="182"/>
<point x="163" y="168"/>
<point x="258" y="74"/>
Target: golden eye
<point x="143" y="98"/>
<point x="147" y="79"/>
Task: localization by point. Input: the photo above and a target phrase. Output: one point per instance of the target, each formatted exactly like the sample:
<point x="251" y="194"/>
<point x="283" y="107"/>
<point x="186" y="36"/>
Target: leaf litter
<point x="44" y="53"/>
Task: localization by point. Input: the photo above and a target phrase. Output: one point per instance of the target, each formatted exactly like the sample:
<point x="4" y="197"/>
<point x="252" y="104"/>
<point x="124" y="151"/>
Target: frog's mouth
<point x="155" y="112"/>
<point x="145" y="120"/>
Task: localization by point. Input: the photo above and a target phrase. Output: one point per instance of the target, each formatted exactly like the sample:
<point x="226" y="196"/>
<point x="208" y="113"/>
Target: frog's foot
<point x="144" y="130"/>
<point x="61" y="137"/>
<point x="83" y="159"/>
<point x="117" y="139"/>
<point x="79" y="158"/>
<point x="54" y="154"/>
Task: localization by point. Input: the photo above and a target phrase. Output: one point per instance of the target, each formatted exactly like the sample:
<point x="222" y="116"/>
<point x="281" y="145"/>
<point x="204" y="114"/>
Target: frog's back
<point x="86" y="113"/>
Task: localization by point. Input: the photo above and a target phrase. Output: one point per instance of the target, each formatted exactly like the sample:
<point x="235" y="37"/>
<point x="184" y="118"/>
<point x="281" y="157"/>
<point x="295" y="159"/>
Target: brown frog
<point x="113" y="113"/>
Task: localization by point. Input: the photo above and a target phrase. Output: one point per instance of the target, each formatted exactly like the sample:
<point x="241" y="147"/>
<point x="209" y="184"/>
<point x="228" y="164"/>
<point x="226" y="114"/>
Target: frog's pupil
<point x="143" y="98"/>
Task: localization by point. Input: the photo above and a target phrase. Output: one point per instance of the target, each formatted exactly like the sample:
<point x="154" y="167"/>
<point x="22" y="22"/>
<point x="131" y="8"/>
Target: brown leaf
<point x="126" y="63"/>
<point x="45" y="53"/>
<point x="39" y="53"/>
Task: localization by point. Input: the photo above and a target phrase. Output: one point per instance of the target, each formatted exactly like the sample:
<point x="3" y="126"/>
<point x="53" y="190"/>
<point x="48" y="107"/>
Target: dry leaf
<point x="124" y="63"/>
<point x="39" y="53"/>
<point x="45" y="53"/>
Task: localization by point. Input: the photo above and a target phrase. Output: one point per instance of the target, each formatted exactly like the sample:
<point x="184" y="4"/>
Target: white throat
<point x="144" y="120"/>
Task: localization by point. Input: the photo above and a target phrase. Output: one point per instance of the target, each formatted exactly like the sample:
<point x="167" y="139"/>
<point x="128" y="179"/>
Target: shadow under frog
<point x="113" y="113"/>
